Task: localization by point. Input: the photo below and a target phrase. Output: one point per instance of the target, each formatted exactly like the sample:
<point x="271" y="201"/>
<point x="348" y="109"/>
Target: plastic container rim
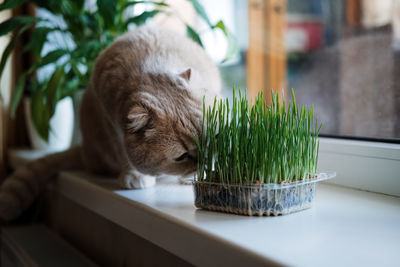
<point x="320" y="177"/>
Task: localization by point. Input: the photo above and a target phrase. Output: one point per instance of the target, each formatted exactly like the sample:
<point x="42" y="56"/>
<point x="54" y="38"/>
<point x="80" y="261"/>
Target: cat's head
<point x="161" y="125"/>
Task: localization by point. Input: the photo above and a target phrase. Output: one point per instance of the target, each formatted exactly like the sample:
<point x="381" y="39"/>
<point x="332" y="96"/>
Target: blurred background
<point x="341" y="56"/>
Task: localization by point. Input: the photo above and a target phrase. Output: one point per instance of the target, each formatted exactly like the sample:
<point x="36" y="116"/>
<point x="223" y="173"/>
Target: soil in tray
<point x="254" y="200"/>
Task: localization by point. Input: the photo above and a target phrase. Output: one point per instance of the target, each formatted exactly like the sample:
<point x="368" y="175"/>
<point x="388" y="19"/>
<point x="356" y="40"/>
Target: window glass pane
<point x="347" y="64"/>
<point x="235" y="16"/>
<point x="342" y="56"/>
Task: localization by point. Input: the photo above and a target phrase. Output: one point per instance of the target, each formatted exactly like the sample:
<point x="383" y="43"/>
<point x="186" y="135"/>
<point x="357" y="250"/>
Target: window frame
<point x="266" y="58"/>
<point x="364" y="165"/>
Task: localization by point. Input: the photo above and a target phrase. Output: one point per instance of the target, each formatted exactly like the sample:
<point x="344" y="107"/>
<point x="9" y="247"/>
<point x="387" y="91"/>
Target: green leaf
<point x="54" y="6"/>
<point x="10" y="4"/>
<point x="7" y="51"/>
<point x="9" y="48"/>
<point x="78" y="4"/>
<point x="68" y="9"/>
<point x="75" y="71"/>
<point x="40" y="115"/>
<point x="53" y="56"/>
<point x="89" y="50"/>
<point x="17" y="94"/>
<point x="52" y="89"/>
<point x="14" y="22"/>
<point x="86" y="26"/>
<point x="108" y="10"/>
<point x="142" y="18"/>
<point x="70" y="88"/>
<point x="220" y="25"/>
<point x="201" y="11"/>
<point x="193" y="35"/>
<point x="233" y="48"/>
<point x="37" y="40"/>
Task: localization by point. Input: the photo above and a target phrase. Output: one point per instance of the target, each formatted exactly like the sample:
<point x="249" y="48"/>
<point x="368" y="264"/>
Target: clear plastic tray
<point x="258" y="200"/>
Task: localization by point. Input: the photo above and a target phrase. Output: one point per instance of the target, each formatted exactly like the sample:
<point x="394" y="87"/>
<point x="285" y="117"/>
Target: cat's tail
<point x="20" y="189"/>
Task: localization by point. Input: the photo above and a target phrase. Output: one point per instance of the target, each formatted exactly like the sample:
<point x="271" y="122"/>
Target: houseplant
<point x="257" y="160"/>
<point x="83" y="31"/>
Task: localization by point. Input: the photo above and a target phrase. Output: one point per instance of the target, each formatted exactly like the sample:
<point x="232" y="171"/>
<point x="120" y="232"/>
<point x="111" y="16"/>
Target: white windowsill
<point x="370" y="166"/>
<point x="345" y="227"/>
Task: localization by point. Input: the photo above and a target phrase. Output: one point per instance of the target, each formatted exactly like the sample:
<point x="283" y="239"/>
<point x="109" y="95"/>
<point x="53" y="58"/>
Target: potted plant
<point x="257" y="160"/>
<point x="82" y="32"/>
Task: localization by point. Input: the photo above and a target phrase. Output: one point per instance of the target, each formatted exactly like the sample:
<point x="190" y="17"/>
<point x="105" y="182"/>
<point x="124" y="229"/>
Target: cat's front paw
<point x="134" y="179"/>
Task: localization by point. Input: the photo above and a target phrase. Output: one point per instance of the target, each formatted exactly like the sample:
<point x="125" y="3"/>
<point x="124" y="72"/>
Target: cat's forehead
<point x="174" y="118"/>
<point x="164" y="81"/>
<point x="169" y="106"/>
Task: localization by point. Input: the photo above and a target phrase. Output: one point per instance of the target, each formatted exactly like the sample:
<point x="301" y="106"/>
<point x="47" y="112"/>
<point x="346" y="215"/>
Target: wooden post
<point x="13" y="132"/>
<point x="353" y="12"/>
<point x="266" y="58"/>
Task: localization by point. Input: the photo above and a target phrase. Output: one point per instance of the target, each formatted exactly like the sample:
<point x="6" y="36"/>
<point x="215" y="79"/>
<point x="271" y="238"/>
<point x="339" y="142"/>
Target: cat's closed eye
<point x="183" y="157"/>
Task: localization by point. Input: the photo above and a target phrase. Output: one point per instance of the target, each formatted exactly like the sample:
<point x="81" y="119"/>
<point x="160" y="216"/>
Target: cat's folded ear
<point x="186" y="74"/>
<point x="138" y="118"/>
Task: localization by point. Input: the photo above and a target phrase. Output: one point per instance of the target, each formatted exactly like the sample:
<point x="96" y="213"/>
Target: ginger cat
<point x="139" y="116"/>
